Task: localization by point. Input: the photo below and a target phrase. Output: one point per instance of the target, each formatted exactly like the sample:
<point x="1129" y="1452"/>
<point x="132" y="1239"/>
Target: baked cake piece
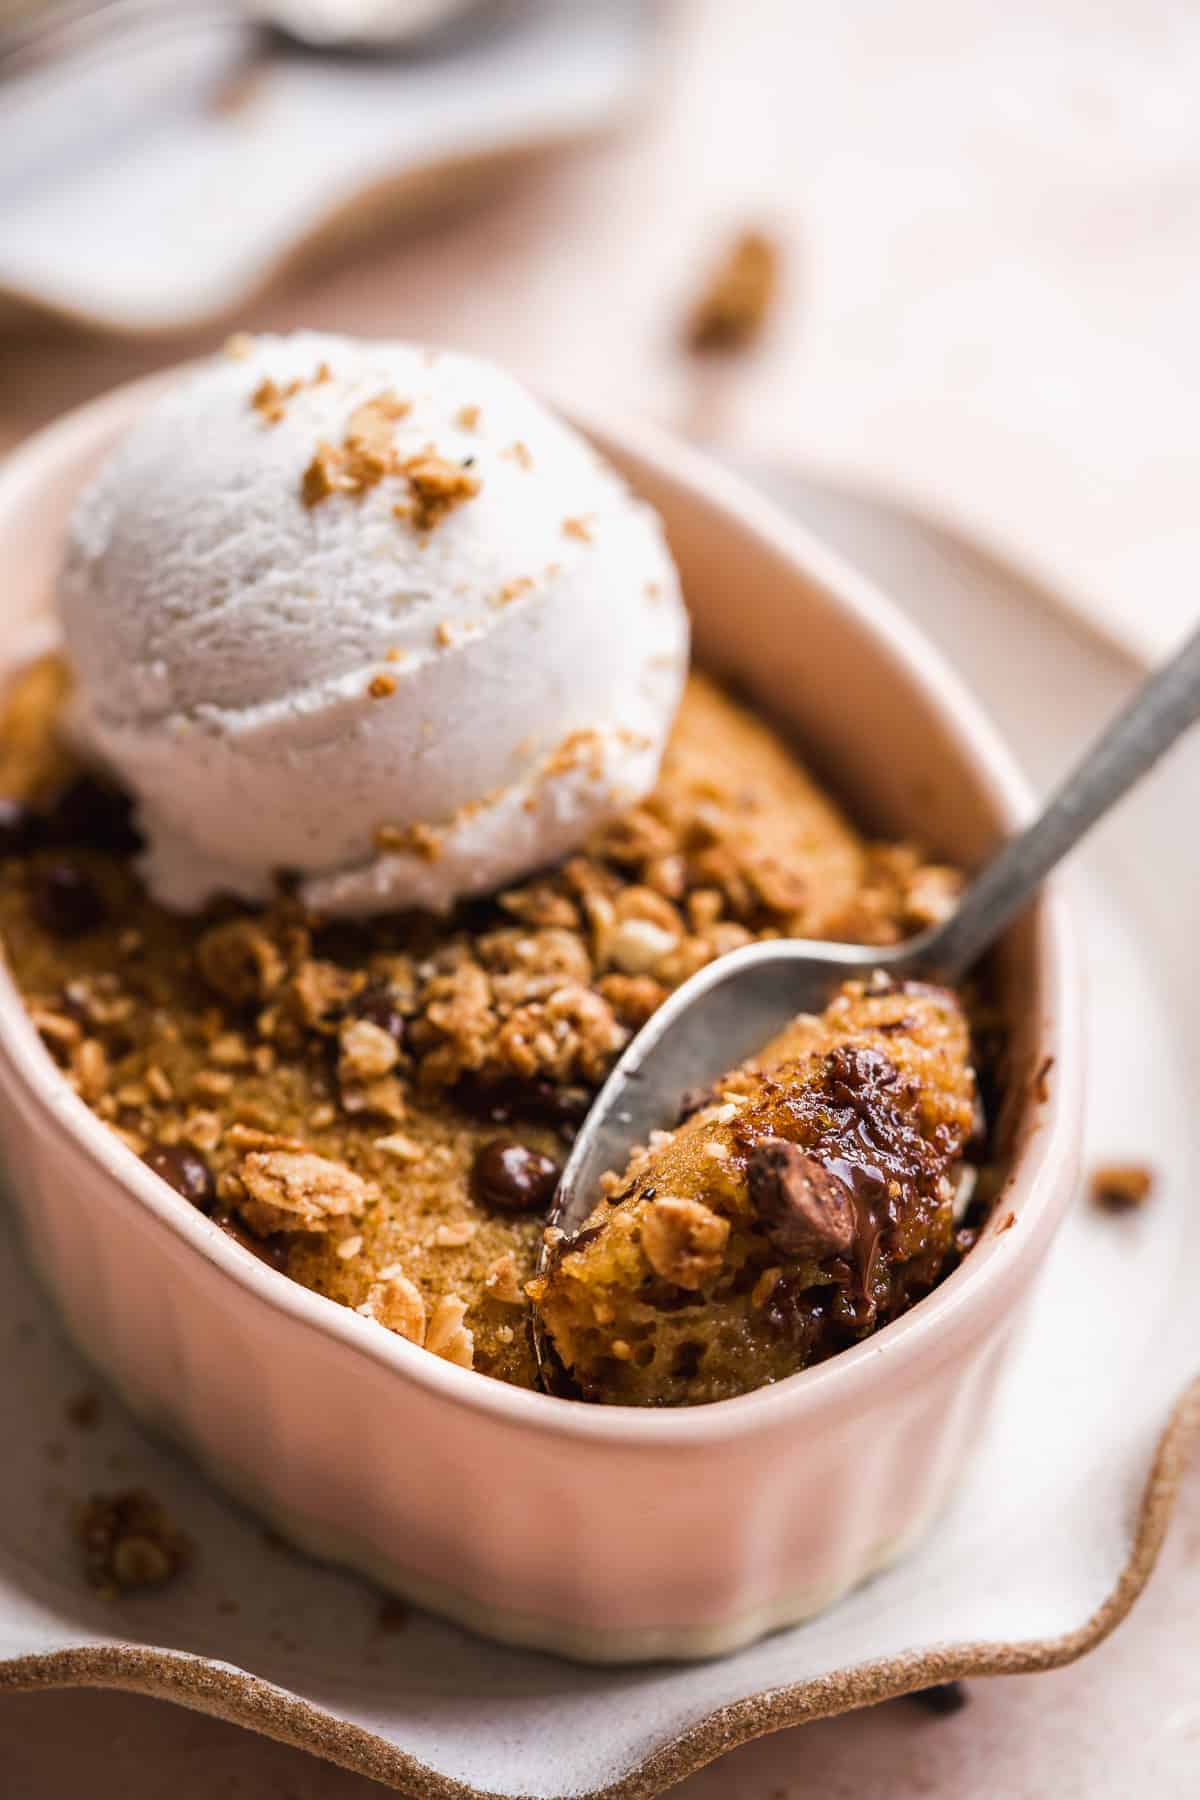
<point x="806" y="1202"/>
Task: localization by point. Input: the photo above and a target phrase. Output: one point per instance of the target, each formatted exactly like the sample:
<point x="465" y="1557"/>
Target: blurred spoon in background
<point x="34" y="34"/>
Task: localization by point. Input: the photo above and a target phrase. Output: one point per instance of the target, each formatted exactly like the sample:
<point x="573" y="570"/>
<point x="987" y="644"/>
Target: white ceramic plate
<point x="1045" y="1549"/>
<point x="134" y="200"/>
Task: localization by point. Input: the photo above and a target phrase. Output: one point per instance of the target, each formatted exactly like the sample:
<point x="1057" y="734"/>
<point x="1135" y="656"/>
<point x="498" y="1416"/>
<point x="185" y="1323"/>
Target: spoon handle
<point x="1161" y="710"/>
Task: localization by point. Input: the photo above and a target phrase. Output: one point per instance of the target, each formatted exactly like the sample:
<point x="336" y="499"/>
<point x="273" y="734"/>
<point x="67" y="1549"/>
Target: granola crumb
<point x="382" y="686"/>
<point x="520" y="453"/>
<point x="684" y="1241"/>
<point x="468" y="418"/>
<point x="503" y="1282"/>
<point x="288" y="1190"/>
<point x="437" y="486"/>
<point x="577" y="528"/>
<point x="418" y="839"/>
<point x="736" y="302"/>
<point x="396" y="1304"/>
<point x="129" y="1541"/>
<point x="512" y="590"/>
<point x="1122" y="1187"/>
<point x="448" y="1336"/>
<point x="455" y="1235"/>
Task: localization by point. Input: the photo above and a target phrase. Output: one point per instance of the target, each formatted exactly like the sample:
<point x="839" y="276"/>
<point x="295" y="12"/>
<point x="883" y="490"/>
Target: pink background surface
<point x="871" y="371"/>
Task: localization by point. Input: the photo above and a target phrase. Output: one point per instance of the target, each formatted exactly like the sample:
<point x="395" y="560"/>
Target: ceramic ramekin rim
<point x="1037" y="1190"/>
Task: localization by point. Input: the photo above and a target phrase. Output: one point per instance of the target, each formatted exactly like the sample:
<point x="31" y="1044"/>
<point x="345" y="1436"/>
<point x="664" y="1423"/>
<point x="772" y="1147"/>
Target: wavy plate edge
<point x="257" y="1705"/>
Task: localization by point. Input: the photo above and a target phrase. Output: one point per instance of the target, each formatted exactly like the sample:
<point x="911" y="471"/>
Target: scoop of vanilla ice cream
<point x="369" y="614"/>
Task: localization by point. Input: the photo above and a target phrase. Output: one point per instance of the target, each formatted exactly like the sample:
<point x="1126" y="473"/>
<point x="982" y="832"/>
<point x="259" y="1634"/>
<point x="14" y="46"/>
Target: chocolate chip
<point x="856" y="1076"/>
<point x="20" y="828"/>
<point x="270" y="1250"/>
<point x="685" y="1364"/>
<point x="946" y="1698"/>
<point x="346" y="942"/>
<point x="66" y="901"/>
<point x="804" y="1210"/>
<point x="377" y="1006"/>
<point x="545" y="1102"/>
<point x="509" y="1177"/>
<point x="96" y="814"/>
<point x="182" y="1167"/>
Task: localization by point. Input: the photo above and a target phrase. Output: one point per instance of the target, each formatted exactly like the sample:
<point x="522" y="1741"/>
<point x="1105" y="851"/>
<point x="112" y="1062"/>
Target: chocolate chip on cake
<point x="377" y="1006"/>
<point x="182" y="1167"/>
<point x="66" y="901"/>
<point x="509" y="1177"/>
<point x="804" y="1209"/>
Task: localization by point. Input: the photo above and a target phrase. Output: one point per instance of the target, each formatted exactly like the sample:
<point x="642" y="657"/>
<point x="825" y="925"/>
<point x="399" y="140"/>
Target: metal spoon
<point x="730" y="1009"/>
<point x="41" y="32"/>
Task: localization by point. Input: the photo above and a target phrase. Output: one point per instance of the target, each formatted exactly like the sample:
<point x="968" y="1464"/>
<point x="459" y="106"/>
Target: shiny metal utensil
<point x="735" y="1005"/>
<point x="39" y="33"/>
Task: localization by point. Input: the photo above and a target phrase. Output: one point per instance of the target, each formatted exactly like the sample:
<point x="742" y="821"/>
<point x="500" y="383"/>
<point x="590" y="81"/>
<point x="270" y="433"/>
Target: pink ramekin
<point x="604" y="1533"/>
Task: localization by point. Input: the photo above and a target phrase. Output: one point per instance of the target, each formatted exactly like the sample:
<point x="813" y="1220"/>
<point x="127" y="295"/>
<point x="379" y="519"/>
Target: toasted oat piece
<point x="802" y="1206"/>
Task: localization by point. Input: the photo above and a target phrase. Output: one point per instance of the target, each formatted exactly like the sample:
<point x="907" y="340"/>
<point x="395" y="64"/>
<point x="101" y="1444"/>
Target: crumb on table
<point x="1122" y="1187"/>
<point x="736" y="302"/>
<point x="129" y="1541"/>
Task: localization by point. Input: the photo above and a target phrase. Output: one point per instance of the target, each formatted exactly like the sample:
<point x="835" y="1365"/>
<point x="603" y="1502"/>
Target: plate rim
<point x="253" y="1703"/>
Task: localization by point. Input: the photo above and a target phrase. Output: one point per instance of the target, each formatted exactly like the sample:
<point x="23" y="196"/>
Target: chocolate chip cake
<point x="804" y="1203"/>
<point x="380" y="1107"/>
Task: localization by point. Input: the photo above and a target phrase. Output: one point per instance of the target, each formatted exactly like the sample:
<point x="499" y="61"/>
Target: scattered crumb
<point x="382" y="686"/>
<point x="438" y="486"/>
<point x="577" y="528"/>
<point x="734" y="306"/>
<point x="269" y="399"/>
<point x="519" y="453"/>
<point x="467" y="417"/>
<point x="512" y="590"/>
<point x="129" y="1541"/>
<point x="1122" y="1187"/>
<point x="420" y="840"/>
<point x="1006" y="1223"/>
<point x="455" y="1235"/>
